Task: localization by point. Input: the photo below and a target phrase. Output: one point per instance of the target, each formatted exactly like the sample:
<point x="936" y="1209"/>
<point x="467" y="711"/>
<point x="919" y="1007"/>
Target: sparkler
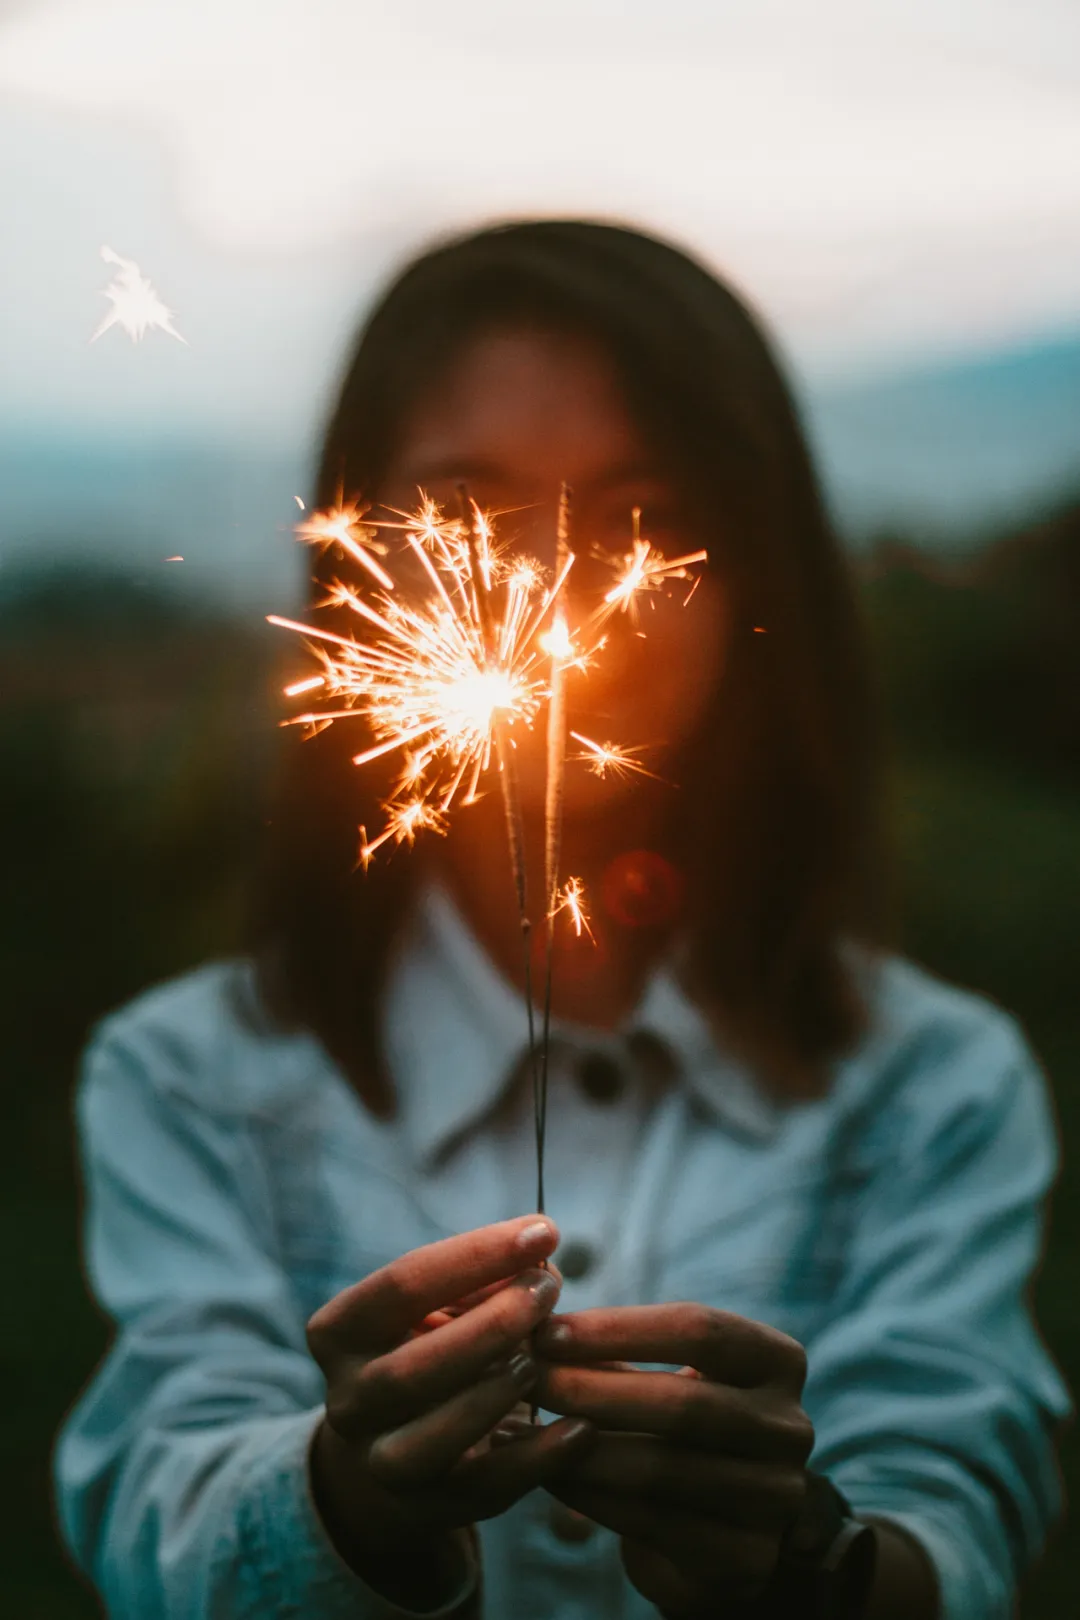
<point x="481" y="570"/>
<point x="442" y="679"/>
<point x="135" y="304"/>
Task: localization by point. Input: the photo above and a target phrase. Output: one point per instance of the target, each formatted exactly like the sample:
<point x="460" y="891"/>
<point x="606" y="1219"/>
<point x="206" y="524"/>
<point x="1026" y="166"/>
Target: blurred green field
<point x="135" y="738"/>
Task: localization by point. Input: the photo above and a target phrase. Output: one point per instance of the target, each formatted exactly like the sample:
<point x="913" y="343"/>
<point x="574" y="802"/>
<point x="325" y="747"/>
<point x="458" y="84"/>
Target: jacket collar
<point x="455" y="1035"/>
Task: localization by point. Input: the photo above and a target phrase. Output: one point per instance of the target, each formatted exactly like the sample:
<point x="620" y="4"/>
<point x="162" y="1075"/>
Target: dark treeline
<point x="136" y="735"/>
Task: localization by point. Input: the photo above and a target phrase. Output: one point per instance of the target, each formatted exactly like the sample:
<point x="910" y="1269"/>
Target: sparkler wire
<point x="515" y="830"/>
<point x="553" y="816"/>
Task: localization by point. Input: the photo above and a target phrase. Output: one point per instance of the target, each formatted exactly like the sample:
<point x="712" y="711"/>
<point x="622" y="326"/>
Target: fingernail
<point x="522" y="1369"/>
<point x="543" y="1287"/>
<point x="575" y="1430"/>
<point x="534" y="1234"/>
<point x="554" y="1333"/>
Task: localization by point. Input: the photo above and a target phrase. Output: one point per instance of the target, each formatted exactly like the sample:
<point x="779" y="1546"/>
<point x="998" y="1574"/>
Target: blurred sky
<point x="897" y="186"/>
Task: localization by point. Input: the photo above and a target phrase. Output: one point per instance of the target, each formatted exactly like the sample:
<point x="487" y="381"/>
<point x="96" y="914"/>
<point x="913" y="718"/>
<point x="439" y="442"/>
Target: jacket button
<point x="575" y="1259"/>
<point x="568" y="1525"/>
<point x="599" y="1077"/>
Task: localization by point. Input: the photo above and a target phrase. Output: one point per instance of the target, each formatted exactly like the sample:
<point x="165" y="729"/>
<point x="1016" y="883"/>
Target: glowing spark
<point x="428" y="525"/>
<point x="605" y="757"/>
<point x="525" y="575"/>
<point x="438" y="672"/>
<point x="299" y="503"/>
<point x="449" y="537"/>
<point x="308" y="685"/>
<point x="135" y="305"/>
<point x="643" y="568"/>
<point x="557" y="642"/>
<point x="174" y="559"/>
<point x="341" y="526"/>
<point x="405" y="821"/>
<point x="571" y="899"/>
<point x="441" y="671"/>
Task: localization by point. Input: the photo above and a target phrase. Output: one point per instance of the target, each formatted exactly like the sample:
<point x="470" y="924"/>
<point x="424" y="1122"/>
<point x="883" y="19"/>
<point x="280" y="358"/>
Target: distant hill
<point x="981" y="655"/>
<point x="944" y="455"/>
<point x="950" y="453"/>
<point x="226" y="507"/>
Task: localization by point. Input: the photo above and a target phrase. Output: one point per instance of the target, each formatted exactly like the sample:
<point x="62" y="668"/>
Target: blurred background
<point x="896" y="187"/>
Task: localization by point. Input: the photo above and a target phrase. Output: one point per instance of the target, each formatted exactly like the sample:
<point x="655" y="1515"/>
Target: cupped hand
<point x="422" y="1359"/>
<point x="700" y="1471"/>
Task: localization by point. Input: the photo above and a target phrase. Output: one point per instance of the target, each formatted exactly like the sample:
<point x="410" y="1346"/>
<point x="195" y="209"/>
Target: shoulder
<point x="204" y="1036"/>
<point x="935" y="1054"/>
<point x="914" y="1013"/>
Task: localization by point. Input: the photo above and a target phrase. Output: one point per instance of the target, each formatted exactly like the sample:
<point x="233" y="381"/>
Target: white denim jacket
<point x="235" y="1182"/>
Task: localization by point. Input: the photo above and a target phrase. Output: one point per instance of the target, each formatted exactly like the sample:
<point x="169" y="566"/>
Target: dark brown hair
<point x="778" y="802"/>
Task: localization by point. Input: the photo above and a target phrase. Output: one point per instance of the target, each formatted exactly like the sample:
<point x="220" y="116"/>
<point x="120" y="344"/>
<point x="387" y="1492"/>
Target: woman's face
<point x="518" y="413"/>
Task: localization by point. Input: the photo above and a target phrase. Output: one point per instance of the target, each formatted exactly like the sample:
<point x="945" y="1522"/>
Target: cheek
<point x="647" y="693"/>
<point x="654" y="681"/>
<point x="675" y="672"/>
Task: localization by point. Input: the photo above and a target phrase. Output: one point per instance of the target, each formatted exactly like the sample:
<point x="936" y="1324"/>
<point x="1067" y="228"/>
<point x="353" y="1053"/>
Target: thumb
<point x="528" y="1456"/>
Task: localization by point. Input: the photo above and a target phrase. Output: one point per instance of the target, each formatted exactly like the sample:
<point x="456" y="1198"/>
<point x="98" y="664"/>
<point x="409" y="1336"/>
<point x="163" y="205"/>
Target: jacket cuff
<point x="293" y="1566"/>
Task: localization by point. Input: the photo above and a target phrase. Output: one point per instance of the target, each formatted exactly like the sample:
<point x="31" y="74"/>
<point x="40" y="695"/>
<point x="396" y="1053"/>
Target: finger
<point x="389" y="1390"/>
<point x="378" y="1311"/>
<point x="433" y="1320"/>
<point x="494" y="1482"/>
<point x="718" y="1558"/>
<point x="515" y="1426"/>
<point x="426" y="1448"/>
<point x="460" y="1306"/>
<point x="746" y="1495"/>
<point x="659" y="1580"/>
<point x="690" y="1410"/>
<point x="731" y="1349"/>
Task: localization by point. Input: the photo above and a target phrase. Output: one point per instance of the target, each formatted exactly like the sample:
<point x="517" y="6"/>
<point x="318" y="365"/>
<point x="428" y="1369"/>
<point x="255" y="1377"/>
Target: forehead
<point x="523" y="407"/>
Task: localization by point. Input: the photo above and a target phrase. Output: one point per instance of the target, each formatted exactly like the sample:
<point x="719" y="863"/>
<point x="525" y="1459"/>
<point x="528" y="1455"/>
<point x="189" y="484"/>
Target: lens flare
<point x="136" y="306"/>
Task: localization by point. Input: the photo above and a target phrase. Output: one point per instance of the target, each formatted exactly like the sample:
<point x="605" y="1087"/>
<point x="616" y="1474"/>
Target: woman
<point x="800" y="1182"/>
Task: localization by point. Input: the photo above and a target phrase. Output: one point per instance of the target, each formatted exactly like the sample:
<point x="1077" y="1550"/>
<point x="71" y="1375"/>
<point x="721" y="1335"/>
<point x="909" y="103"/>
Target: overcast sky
<point x="887" y="178"/>
<point x="893" y="182"/>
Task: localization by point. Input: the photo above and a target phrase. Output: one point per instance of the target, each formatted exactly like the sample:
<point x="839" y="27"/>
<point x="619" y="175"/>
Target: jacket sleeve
<point x="933" y="1397"/>
<point x="182" y="1473"/>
